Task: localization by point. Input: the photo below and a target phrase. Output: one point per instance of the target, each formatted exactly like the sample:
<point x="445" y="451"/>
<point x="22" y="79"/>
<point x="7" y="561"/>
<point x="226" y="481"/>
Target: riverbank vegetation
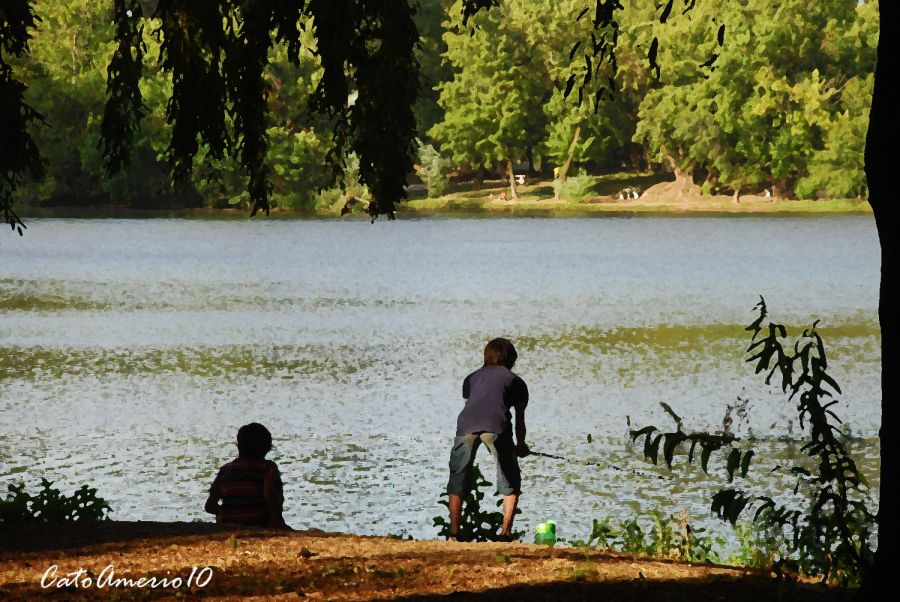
<point x="831" y="534"/>
<point x="758" y="123"/>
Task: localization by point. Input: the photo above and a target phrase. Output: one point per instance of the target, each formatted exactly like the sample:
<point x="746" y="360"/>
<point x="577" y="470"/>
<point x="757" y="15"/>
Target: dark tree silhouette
<point x="19" y="154"/>
<point x="215" y="52"/>
<point x="880" y="166"/>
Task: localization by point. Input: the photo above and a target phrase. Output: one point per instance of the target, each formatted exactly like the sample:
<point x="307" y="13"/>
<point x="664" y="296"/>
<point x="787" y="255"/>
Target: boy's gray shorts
<point x="462" y="456"/>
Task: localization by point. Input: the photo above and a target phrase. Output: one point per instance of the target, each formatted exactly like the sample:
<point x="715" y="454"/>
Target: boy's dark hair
<point x="500" y="352"/>
<point x="254" y="441"/>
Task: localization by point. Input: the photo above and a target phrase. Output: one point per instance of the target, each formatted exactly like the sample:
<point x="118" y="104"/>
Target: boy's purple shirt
<point x="490" y="392"/>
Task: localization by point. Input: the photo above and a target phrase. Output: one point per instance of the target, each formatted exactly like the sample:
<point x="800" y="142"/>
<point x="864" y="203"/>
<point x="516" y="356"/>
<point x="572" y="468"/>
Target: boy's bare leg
<point x="455" y="513"/>
<point x="509" y="511"/>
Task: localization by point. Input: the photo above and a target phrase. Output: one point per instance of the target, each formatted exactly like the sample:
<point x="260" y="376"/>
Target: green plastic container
<point x="545" y="533"/>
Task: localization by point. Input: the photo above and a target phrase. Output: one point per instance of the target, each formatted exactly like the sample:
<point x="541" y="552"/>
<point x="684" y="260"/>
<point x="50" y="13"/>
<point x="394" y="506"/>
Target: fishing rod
<point x="631" y="470"/>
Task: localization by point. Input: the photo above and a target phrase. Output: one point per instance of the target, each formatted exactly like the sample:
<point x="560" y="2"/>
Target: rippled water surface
<point x="131" y="351"/>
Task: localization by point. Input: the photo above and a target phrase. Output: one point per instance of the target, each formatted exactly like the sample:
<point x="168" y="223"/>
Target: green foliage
<point x="759" y="545"/>
<point x="429" y="18"/>
<point x="215" y="55"/>
<point x="831" y="536"/>
<point x="493" y="104"/>
<point x="576" y="188"/>
<point x="475" y="524"/>
<point x="65" y="72"/>
<point x="659" y="535"/>
<point x="760" y="115"/>
<point x="603" y="114"/>
<point x="836" y="170"/>
<point x="49" y="505"/>
<point x="266" y="103"/>
<point x="434" y="170"/>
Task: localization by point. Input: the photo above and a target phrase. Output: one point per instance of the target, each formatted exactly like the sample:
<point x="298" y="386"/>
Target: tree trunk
<point x="512" y="180"/>
<point x="564" y="170"/>
<point x="684" y="180"/>
<point x="880" y="168"/>
<point x="736" y="197"/>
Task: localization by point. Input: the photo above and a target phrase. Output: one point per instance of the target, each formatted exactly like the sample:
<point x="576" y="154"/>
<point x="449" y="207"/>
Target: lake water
<point x="131" y="351"/>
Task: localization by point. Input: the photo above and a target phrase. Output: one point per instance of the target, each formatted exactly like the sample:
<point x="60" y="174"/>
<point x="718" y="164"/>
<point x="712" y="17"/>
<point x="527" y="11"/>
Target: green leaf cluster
<point x="658" y="535"/>
<point x="433" y="169"/>
<point x="832" y="536"/>
<point x="493" y="110"/>
<point x="783" y="105"/>
<point x="49" y="505"/>
<point x="476" y="524"/>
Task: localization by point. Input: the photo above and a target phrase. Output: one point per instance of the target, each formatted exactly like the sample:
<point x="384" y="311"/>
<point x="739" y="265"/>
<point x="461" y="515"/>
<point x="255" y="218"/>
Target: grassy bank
<point x="599" y="195"/>
<point x="594" y="196"/>
<point x="273" y="565"/>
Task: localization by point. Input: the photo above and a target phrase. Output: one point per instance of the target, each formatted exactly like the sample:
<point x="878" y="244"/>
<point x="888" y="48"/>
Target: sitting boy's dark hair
<point x="500" y="352"/>
<point x="254" y="441"/>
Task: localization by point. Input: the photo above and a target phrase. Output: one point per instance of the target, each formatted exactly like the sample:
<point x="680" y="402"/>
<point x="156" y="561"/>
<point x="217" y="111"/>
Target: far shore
<point x="657" y="197"/>
<point x="218" y="562"/>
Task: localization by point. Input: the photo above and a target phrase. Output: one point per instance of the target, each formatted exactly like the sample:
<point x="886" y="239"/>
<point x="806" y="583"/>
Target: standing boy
<point x="490" y="392"/>
<point x="249" y="488"/>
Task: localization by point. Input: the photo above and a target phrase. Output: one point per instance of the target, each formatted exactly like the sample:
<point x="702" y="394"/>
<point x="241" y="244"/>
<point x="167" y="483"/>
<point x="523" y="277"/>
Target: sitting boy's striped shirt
<point x="239" y="484"/>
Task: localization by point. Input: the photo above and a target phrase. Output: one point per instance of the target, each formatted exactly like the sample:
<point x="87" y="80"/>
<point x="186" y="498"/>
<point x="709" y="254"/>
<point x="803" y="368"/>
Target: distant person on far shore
<point x="490" y="392"/>
<point x="249" y="488"/>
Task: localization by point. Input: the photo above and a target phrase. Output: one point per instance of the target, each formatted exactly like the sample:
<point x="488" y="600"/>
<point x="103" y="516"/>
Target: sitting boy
<point x="250" y="486"/>
<point x="490" y="392"/>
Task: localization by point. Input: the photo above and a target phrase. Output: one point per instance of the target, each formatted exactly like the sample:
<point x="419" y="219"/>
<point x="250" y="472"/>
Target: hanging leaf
<point x="644" y="431"/>
<point x="652" y="450"/>
<point x="672" y="441"/>
<point x="734" y="459"/>
<point x="569" y="84"/>
<point x="574" y="50"/>
<point x="691" y="451"/>
<point x="666" y="11"/>
<point x="745" y="462"/>
<point x="704" y="456"/>
<point x="651" y="56"/>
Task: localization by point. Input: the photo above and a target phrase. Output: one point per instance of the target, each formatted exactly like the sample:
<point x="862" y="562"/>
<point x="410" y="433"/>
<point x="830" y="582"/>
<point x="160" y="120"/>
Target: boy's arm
<point x="274" y="496"/>
<point x="521" y="447"/>
<point x="212" y="502"/>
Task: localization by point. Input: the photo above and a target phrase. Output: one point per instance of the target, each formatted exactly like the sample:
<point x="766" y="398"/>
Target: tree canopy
<point x="741" y="93"/>
<point x="259" y="104"/>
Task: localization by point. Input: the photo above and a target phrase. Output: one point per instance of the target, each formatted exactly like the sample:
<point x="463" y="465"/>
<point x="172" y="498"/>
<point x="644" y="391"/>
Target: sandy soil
<point x="271" y="565"/>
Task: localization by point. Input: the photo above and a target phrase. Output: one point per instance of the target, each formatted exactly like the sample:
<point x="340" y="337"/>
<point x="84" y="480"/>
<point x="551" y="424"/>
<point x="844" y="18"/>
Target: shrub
<point x="475" y="524"/>
<point x="576" y="188"/>
<point x="51" y="506"/>
<point x="832" y="536"/>
<point x="663" y="536"/>
<point x="434" y="170"/>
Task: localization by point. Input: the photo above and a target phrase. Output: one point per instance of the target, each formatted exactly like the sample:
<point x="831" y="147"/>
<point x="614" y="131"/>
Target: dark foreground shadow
<point x="39" y="538"/>
<point x="732" y="590"/>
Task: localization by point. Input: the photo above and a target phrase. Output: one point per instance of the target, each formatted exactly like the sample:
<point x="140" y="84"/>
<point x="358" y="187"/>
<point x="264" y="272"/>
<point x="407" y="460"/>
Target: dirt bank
<point x="271" y="565"/>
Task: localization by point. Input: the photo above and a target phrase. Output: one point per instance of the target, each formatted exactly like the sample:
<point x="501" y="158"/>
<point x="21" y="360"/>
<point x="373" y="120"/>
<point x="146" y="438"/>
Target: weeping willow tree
<point x="215" y="53"/>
